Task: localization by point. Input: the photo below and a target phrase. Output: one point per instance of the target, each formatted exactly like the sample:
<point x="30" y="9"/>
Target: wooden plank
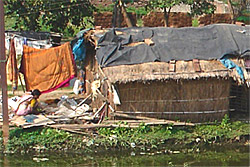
<point x="120" y="114"/>
<point x="147" y="122"/>
<point x="89" y="126"/>
<point x="172" y="66"/>
<point x="196" y="65"/>
<point x="152" y="120"/>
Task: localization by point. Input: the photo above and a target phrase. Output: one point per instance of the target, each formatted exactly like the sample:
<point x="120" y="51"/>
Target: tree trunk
<point x="119" y="16"/>
<point x="125" y="14"/>
<point x="229" y="2"/>
<point x="114" y="15"/>
<point x="166" y="16"/>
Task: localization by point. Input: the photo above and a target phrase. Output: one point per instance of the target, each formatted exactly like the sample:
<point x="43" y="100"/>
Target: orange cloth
<point x="45" y="69"/>
<point x="12" y="65"/>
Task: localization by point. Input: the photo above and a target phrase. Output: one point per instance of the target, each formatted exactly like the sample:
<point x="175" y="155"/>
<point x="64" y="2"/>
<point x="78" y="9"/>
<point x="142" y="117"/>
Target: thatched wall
<point x="194" y="100"/>
<point x="162" y="71"/>
<point x="178" y="70"/>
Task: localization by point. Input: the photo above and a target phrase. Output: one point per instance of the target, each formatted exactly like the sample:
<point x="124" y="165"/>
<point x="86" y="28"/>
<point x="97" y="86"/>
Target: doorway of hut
<point x="239" y="102"/>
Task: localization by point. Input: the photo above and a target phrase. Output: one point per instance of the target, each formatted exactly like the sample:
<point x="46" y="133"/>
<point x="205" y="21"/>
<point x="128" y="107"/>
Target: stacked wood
<point x="215" y="18"/>
<point x="176" y="19"/>
<point x="105" y="19"/>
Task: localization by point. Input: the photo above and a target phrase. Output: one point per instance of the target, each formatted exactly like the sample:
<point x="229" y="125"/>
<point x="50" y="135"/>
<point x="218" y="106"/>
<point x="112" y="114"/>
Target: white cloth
<point x="76" y="88"/>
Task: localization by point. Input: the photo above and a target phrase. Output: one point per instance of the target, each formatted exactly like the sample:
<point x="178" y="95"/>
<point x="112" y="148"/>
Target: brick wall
<point x="176" y="19"/>
<point x="215" y="18"/>
<point x="105" y="19"/>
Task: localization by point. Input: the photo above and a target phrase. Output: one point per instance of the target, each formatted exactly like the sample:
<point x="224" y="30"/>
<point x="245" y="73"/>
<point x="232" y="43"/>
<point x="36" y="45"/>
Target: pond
<point x="209" y="156"/>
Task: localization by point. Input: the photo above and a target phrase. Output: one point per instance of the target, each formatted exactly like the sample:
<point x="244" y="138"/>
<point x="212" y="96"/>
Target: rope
<point x="4" y="61"/>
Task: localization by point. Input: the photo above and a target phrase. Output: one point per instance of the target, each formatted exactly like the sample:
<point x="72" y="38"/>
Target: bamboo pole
<point x="3" y="78"/>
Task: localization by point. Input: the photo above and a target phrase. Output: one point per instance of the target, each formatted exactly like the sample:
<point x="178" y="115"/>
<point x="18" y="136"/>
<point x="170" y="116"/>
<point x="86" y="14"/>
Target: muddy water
<point x="216" y="156"/>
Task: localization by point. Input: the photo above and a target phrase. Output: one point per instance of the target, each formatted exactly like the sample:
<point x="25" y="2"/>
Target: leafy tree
<point x="237" y="8"/>
<point x="54" y="15"/>
<point x="197" y="7"/>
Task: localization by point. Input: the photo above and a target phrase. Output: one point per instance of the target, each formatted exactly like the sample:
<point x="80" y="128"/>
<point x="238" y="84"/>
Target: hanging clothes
<point x="230" y="65"/>
<point x="79" y="50"/>
<point x="12" y="66"/>
<point x="47" y="69"/>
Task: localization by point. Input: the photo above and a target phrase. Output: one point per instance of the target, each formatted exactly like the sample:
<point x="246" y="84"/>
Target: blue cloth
<point x="230" y="64"/>
<point x="79" y="50"/>
<point x="30" y="118"/>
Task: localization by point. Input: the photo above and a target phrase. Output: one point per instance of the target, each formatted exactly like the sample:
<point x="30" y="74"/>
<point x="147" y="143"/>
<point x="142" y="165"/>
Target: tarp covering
<point x="47" y="69"/>
<point x="209" y="42"/>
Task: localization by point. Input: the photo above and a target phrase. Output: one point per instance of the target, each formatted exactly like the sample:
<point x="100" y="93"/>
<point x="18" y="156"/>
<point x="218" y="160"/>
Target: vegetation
<point x="142" y="138"/>
<point x="195" y="22"/>
<point x="198" y="7"/>
<point x="55" y="16"/>
<point x="67" y="17"/>
<point x="237" y="9"/>
<point x="153" y="137"/>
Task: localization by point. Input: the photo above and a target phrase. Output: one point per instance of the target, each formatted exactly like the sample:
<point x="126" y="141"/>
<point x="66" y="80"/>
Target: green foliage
<point x="101" y="9"/>
<point x="9" y="23"/>
<point x="198" y="7"/>
<point x="139" y="11"/>
<point x="243" y="18"/>
<point x="143" y="137"/>
<point x="39" y="138"/>
<point x="56" y="16"/>
<point x="163" y="3"/>
<point x="225" y="121"/>
<point x="195" y="23"/>
<point x="140" y="137"/>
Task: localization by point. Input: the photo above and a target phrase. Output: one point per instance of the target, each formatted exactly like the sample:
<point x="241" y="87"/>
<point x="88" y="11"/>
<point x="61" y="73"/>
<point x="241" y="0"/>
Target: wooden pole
<point x="125" y="14"/>
<point x="3" y="78"/>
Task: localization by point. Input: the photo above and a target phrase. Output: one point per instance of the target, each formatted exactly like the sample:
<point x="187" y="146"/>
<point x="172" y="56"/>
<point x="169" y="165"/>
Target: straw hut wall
<point x="194" y="100"/>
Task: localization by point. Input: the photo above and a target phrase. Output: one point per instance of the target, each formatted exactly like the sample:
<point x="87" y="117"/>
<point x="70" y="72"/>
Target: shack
<point x="187" y="74"/>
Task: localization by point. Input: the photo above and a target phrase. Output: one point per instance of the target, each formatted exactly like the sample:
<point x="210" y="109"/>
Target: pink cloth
<point x="23" y="105"/>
